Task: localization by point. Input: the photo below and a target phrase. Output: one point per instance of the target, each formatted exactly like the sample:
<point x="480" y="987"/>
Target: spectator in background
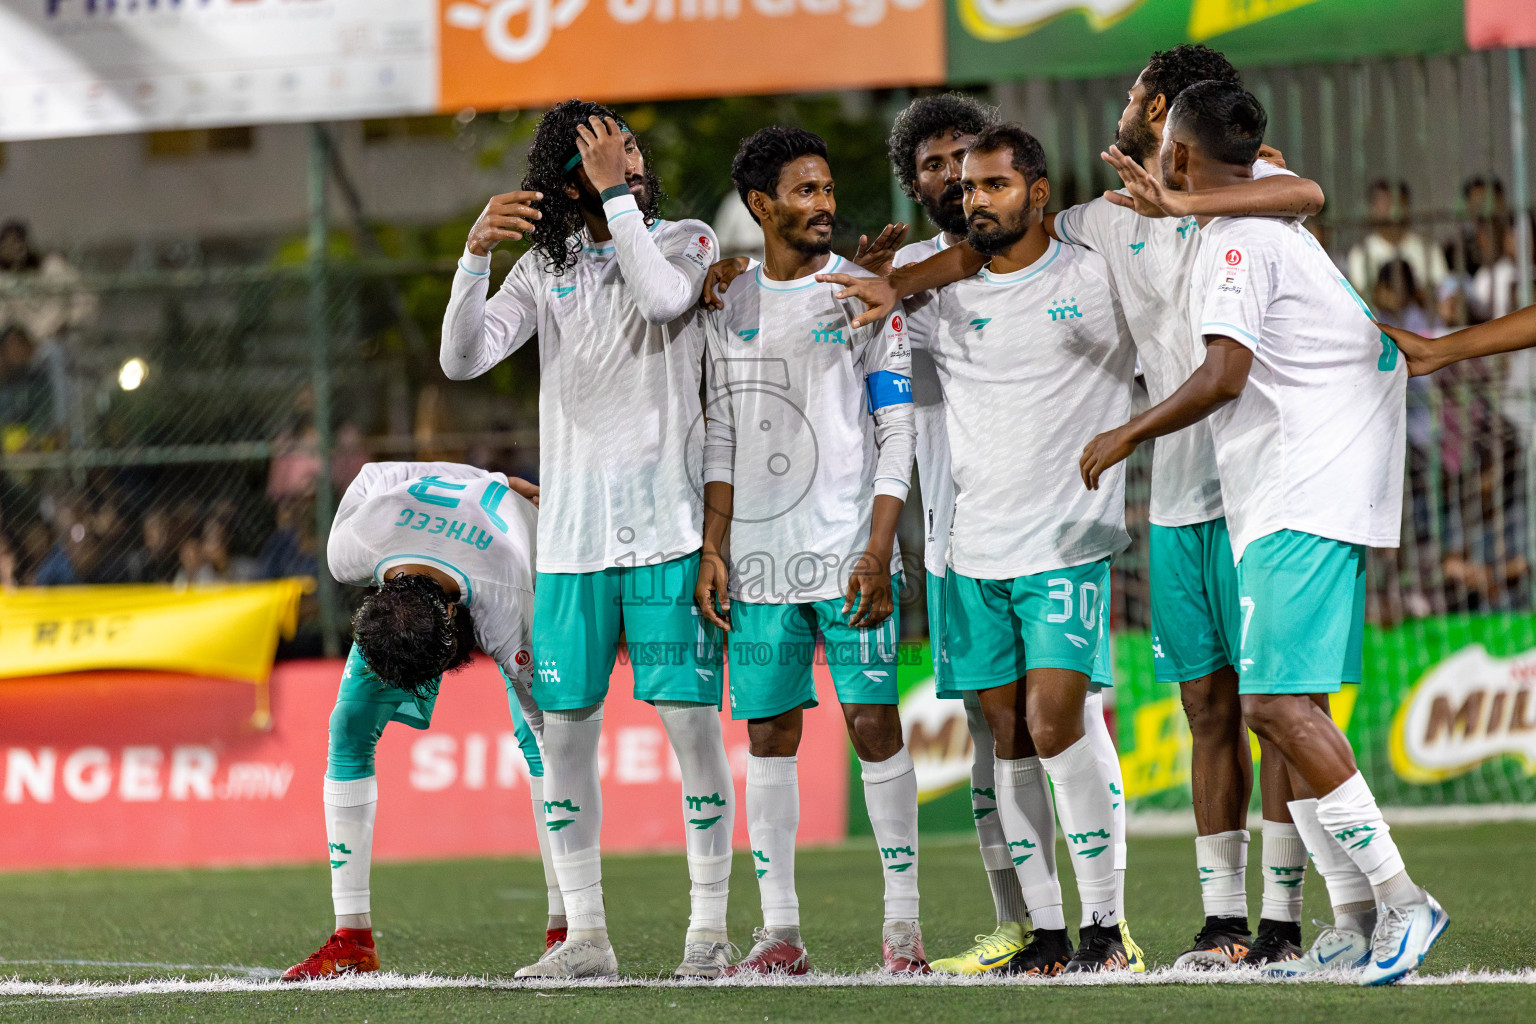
<point x="206" y="558"/>
<point x="26" y="396"/>
<point x="1392" y="239"/>
<point x="1399" y="302"/>
<point x="43" y="295"/>
<point x="155" y="559"/>
<point x="1486" y="206"/>
<point x="291" y="548"/>
<point x="1487" y="561"/>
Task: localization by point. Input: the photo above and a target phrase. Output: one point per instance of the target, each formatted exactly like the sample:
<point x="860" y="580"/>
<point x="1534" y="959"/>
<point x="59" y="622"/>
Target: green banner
<point x="1009" y="39"/>
<point x="1446" y="714"/>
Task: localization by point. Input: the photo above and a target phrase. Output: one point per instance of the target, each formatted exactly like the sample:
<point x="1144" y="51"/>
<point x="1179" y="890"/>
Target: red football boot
<point x="770" y="956"/>
<point x="348" y="951"/>
<point x="553" y="937"/>
<point x="902" y="949"/>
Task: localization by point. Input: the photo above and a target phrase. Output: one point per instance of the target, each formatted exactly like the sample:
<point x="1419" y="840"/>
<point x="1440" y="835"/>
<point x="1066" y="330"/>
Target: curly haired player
<point x="448" y="551"/>
<point x="610" y="290"/>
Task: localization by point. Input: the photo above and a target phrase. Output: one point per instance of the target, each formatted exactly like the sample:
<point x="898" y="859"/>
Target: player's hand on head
<point x="1271" y="155"/>
<point x="710" y="593"/>
<point x="877" y="256"/>
<point x="718" y="279"/>
<point x="524" y="488"/>
<point x="1148" y="196"/>
<point x="601" y="144"/>
<point x="506" y="218"/>
<point x="1418" y="350"/>
<point x="876" y="293"/>
<point x="1101" y="454"/>
<point x="868" y="595"/>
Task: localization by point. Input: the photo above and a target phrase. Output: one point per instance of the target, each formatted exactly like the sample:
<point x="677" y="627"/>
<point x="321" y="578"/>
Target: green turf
<point x="486" y="917"/>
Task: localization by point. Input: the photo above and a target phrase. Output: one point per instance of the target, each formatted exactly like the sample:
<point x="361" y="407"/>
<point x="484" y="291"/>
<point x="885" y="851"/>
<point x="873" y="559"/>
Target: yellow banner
<point x="227" y="631"/>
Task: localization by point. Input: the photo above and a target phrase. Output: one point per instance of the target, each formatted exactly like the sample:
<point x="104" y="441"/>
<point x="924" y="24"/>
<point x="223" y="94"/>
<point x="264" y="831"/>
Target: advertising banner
<point x="1500" y="24"/>
<point x="229" y="631"/>
<point x="1011" y="39"/>
<point x="82" y="67"/>
<point x="148" y="769"/>
<point x="1446" y="714"/>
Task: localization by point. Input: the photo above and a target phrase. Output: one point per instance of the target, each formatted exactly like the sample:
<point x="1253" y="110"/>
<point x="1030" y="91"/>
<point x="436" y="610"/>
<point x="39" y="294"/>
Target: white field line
<point x="389" y="982"/>
<point x="249" y="972"/>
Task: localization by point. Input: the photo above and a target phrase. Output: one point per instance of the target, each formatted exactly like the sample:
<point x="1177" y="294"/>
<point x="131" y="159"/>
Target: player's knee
<point x="875" y="730"/>
<point x="1213" y="716"/>
<point x="1269" y="715"/>
<point x="1052" y="735"/>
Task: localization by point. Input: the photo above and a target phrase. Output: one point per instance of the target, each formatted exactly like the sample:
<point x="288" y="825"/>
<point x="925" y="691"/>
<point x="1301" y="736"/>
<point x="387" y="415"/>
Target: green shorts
<point x="773" y="647"/>
<point x="365" y="704"/>
<point x="1195" y="614"/>
<point x="996" y="630"/>
<point x="578" y="619"/>
<point x="1303" y="604"/>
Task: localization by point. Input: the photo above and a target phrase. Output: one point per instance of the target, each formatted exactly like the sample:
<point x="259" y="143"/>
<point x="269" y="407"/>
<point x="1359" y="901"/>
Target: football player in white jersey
<point x="927" y="146"/>
<point x="610" y="289"/>
<point x="1193" y="584"/>
<point x="448" y="551"/>
<point x="1305" y="399"/>
<point x="807" y="460"/>
<point x="1031" y="353"/>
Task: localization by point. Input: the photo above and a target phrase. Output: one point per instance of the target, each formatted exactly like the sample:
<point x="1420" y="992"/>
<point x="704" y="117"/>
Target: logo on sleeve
<point x="523" y="658"/>
<point x="1234" y="257"/>
<point x="896" y="324"/>
<point x="697" y="252"/>
<point x="1136" y="248"/>
<point x="980" y="322"/>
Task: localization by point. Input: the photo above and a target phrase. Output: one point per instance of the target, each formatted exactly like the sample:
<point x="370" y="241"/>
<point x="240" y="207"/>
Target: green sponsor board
<point x="1009" y="39"/>
<point x="1446" y="715"/>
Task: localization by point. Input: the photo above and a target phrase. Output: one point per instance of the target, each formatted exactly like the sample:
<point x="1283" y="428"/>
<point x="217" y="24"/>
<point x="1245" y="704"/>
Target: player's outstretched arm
<point x="1215" y="382"/>
<point x="1509" y="333"/>
<point x="524" y="488"/>
<point x="1278" y="195"/>
<point x="880" y="294"/>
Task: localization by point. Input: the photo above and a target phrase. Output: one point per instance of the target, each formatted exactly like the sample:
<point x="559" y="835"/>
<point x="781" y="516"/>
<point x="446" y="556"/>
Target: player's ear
<point x="757" y="202"/>
<point x="1180" y="159"/>
<point x="1040" y="193"/>
<point x="1155" y="108"/>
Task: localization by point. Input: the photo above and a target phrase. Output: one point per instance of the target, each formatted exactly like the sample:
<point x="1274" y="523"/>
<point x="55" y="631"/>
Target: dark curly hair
<point x="762" y="156"/>
<point x="1227" y="123"/>
<point x="929" y="116"/>
<point x="555" y="234"/>
<point x="1170" y="72"/>
<point x="408" y="635"/>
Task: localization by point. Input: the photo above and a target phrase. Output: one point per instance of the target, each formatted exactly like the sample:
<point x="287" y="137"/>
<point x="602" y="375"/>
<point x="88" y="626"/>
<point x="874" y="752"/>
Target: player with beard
<point x="1029" y="352"/>
<point x="927" y="145"/>
<point x="1193" y="584"/>
<point x="447" y="551"/>
<point x="1305" y="397"/>
<point x="610" y="290"/>
<point x="807" y="458"/>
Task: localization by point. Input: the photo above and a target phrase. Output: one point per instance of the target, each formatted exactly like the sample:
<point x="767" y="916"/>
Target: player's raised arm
<point x="881" y="294"/>
<point x="1273" y="195"/>
<point x="664" y="285"/>
<point x="479" y="332"/>
<point x="1510" y="333"/>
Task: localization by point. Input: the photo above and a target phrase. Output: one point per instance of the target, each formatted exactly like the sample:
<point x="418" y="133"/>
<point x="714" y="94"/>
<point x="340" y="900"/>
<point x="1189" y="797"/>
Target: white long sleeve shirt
<point x="621" y="348"/>
<point x="932" y="453"/>
<point x="809" y="421"/>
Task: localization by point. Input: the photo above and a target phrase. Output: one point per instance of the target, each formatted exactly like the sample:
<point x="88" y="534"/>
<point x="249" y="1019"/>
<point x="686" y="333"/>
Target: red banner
<point x="132" y="769"/>
<point x="1500" y="24"/>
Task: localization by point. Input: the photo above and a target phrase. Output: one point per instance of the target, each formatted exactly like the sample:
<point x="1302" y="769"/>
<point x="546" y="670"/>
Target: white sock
<point x="551" y="883"/>
<point x="1082" y="801"/>
<point x="573" y="813"/>
<point x="1007" y="897"/>
<point x="1351" y="816"/>
<point x="1349" y="891"/>
<point x="349" y="811"/>
<point x="1029" y="821"/>
<point x="773" y="817"/>
<point x="1285" y="868"/>
<point x="890" y="794"/>
<point x="709" y="812"/>
<point x="1097" y="731"/>
<point x="1222" y="861"/>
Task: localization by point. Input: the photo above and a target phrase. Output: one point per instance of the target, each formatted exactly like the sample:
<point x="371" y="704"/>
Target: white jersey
<point x="459" y="519"/>
<point x="1033" y="365"/>
<point x="809" y="421"/>
<point x="932" y="442"/>
<point x="1315" y="442"/>
<point x="620" y="358"/>
<point x="1151" y="261"/>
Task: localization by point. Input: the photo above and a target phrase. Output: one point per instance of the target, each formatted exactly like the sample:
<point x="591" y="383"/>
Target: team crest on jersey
<point x="1064" y="309"/>
<point x="830" y="333"/>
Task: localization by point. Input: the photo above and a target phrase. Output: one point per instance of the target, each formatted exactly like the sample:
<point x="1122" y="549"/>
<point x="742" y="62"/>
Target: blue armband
<point x="886" y="389"/>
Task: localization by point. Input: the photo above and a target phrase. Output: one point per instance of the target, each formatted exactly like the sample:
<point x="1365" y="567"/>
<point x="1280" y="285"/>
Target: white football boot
<point x="1402" y="938"/>
<point x="574" y="960"/>
<point x="1335" y="951"/>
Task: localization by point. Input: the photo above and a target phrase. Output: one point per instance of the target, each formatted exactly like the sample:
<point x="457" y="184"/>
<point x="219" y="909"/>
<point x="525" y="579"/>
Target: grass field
<point x="483" y="919"/>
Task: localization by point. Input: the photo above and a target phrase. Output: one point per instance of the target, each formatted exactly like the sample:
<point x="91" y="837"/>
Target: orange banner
<point x="519" y="53"/>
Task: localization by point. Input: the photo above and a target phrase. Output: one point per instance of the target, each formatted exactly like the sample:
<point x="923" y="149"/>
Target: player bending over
<point x="808" y="453"/>
<point x="1305" y="398"/>
<point x="1030" y="352"/>
<point x="448" y="550"/>
<point x="610" y="290"/>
